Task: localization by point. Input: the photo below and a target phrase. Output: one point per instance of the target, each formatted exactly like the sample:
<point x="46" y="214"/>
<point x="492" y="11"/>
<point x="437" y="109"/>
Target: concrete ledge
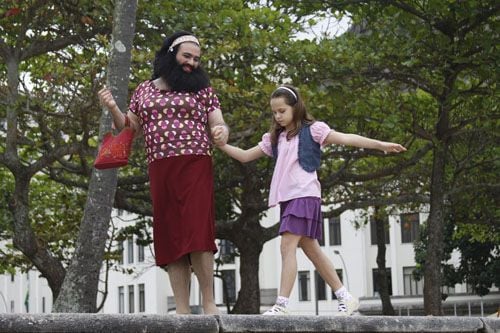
<point x="110" y="323"/>
<point x="491" y="325"/>
<point x="239" y="323"/>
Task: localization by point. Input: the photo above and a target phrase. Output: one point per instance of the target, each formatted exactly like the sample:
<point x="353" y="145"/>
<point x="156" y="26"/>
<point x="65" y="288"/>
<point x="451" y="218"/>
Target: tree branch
<point x="40" y="46"/>
<point x="402" y="199"/>
<point x="350" y="177"/>
<point x="483" y="15"/>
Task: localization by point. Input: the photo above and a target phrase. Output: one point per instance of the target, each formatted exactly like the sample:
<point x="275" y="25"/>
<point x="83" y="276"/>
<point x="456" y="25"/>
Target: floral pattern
<point x="173" y="123"/>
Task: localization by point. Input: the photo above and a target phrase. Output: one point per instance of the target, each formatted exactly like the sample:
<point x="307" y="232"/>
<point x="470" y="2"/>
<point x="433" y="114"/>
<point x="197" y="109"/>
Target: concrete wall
<point x="240" y="323"/>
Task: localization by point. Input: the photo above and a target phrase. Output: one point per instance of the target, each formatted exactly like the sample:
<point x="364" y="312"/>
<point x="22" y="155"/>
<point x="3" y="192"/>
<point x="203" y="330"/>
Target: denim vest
<point x="309" y="150"/>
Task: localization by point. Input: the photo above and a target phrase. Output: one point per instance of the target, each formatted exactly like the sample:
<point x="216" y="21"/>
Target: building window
<point x="120" y="253"/>
<point x="121" y="300"/>
<point x="376" y="287"/>
<point x="130" y="250"/>
<point x="12" y="307"/>
<point x="227" y="250"/>
<point x="304" y="284"/>
<point x="229" y="286"/>
<point x="320" y="287"/>
<point x="409" y="228"/>
<point x="447" y="290"/>
<point x="142" y="298"/>
<point x="131" y="299"/>
<point x="43" y="304"/>
<point x="470" y="289"/>
<point x="411" y="285"/>
<point x="12" y="277"/>
<point x="373" y="232"/>
<point x="140" y="253"/>
<point x="334" y="227"/>
<point x="340" y="274"/>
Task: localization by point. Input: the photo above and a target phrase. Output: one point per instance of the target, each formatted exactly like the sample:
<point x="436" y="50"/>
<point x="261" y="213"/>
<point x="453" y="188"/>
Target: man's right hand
<point x="106" y="98"/>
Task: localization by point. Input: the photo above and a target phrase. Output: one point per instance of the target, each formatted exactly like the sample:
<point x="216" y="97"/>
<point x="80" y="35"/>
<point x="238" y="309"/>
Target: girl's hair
<point x="165" y="60"/>
<point x="300" y="115"/>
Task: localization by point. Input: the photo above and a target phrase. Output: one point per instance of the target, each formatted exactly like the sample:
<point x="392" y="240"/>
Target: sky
<point x="329" y="27"/>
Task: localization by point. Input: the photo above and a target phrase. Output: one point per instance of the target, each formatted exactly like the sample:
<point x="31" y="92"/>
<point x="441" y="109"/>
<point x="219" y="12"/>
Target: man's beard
<point x="179" y="80"/>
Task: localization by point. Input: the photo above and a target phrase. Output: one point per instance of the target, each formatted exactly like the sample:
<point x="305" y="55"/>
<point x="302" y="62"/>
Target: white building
<point x="352" y="251"/>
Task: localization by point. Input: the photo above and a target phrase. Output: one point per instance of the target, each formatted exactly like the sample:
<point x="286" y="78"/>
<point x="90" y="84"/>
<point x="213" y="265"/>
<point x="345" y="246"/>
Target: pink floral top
<point x="173" y="123"/>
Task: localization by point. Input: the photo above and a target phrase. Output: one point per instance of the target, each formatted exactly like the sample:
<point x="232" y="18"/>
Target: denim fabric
<point x="309" y="150"/>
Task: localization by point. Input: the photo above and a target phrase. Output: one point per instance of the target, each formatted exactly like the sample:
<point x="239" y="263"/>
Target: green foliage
<point x="388" y="78"/>
<point x="479" y="264"/>
<point x="55" y="215"/>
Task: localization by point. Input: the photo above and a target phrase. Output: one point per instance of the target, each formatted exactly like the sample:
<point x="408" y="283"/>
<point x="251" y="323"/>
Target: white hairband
<point x="182" y="39"/>
<point x="290" y="91"/>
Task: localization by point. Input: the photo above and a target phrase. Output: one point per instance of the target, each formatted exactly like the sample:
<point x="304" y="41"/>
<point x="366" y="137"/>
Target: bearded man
<point x="175" y="111"/>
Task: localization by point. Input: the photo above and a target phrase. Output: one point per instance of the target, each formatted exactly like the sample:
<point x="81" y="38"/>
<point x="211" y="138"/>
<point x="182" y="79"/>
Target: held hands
<point x="106" y="98"/>
<point x="220" y="134"/>
<point x="390" y="147"/>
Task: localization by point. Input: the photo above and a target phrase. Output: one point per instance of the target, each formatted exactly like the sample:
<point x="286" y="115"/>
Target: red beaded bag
<point x="115" y="150"/>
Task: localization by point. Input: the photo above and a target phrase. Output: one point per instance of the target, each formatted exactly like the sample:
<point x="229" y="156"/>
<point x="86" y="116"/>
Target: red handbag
<point x="115" y="150"/>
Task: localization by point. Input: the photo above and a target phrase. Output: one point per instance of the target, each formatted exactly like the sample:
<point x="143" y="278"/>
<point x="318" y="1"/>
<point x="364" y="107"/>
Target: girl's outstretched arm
<point x="355" y="140"/>
<point x="241" y="155"/>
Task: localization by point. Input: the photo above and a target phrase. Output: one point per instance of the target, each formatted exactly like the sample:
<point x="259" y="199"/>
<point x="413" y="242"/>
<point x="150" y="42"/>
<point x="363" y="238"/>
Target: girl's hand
<point x="106" y="98"/>
<point x="390" y="147"/>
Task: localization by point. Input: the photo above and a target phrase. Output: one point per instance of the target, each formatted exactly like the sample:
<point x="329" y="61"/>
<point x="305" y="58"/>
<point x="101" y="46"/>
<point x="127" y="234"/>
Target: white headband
<point x="182" y="39"/>
<point x="290" y="91"/>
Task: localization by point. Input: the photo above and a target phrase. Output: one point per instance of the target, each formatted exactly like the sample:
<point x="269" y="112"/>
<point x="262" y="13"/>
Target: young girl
<point x="294" y="140"/>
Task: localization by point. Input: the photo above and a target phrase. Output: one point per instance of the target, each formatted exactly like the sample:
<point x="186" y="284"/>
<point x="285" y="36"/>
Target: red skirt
<point x="182" y="193"/>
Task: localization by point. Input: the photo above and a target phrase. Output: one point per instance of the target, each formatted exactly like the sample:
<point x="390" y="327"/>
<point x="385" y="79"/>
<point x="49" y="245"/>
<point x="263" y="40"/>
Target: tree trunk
<point x="381" y="226"/>
<point x="435" y="225"/>
<point x="80" y="286"/>
<point x="249" y="295"/>
<point x="24" y="238"/>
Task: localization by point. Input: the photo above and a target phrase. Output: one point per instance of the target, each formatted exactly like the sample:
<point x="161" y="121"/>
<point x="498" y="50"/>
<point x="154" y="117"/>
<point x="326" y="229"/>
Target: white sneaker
<point x="276" y="310"/>
<point x="347" y="307"/>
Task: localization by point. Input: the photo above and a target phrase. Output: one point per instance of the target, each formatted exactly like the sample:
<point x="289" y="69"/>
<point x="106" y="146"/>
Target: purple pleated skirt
<point x="302" y="216"/>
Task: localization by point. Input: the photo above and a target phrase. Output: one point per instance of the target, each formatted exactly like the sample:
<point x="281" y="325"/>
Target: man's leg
<point x="179" y="273"/>
<point x="203" y="267"/>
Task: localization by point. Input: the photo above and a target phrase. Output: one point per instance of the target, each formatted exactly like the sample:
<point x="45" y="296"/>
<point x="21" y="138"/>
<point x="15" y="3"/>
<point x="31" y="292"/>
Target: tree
<point x="471" y="220"/>
<point x="79" y="289"/>
<point x="382" y="225"/>
<point x="441" y="54"/>
<point x="31" y="142"/>
<point x="242" y="190"/>
<point x="386" y="83"/>
<point x="58" y="90"/>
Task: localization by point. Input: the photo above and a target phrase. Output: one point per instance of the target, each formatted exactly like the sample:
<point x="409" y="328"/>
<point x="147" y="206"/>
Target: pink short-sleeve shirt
<point x="290" y="180"/>
<point x="173" y="123"/>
